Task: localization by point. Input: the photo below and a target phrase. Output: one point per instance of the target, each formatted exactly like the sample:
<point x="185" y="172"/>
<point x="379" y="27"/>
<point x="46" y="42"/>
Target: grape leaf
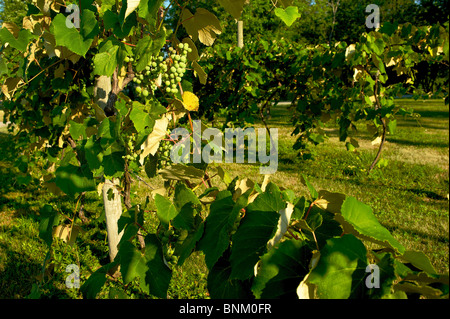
<point x="154" y="275"/>
<point x="281" y="270"/>
<point x="151" y="145"/>
<point x="357" y="218"/>
<point x="148" y="47"/>
<point x="93" y="285"/>
<point x="131" y="5"/>
<point x="20" y="42"/>
<point x="76" y="41"/>
<point x="341" y="270"/>
<point x="233" y="7"/>
<point x="184" y="195"/>
<point x="105" y="61"/>
<point x="73" y="179"/>
<point x="140" y="118"/>
<point x="221" y="286"/>
<point x="48" y="218"/>
<point x="165" y="209"/>
<point x="257" y="227"/>
<point x="288" y="15"/>
<point x="221" y="218"/>
<point x="203" y="25"/>
<point x="181" y="172"/>
<point x="250" y="241"/>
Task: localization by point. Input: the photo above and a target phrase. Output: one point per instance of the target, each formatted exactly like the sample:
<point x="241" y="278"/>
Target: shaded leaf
<point x="341" y="270"/>
<point x="281" y="270"/>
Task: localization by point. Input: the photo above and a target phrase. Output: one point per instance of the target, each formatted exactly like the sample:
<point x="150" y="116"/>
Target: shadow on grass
<point x="428" y="194"/>
<point x="18" y="274"/>
<point x="426" y="143"/>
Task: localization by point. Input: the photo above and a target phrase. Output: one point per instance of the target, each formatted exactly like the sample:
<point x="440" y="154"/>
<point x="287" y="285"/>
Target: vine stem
<point x="383" y="122"/>
<point x="309" y="209"/>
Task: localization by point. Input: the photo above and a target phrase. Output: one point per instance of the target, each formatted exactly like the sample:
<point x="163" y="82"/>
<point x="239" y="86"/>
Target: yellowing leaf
<point x="376" y="141"/>
<point x="12" y="27"/>
<point x="190" y="101"/>
<point x="10" y="86"/>
<point x="151" y="145"/>
<point x="203" y="26"/>
<point x="202" y="76"/>
<point x="59" y="72"/>
<point x="234" y="7"/>
<point x="193" y="55"/>
<point x="131" y="6"/>
<point x="66" y="233"/>
<point x="283" y="224"/>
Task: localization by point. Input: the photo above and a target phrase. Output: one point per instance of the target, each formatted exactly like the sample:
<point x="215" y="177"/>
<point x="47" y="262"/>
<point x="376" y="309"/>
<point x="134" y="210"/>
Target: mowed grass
<point x="409" y="196"/>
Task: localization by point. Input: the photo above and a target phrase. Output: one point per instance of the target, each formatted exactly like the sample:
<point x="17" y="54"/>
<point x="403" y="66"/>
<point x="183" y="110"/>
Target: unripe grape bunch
<point x="165" y="73"/>
<point x="164" y="154"/>
<point x="168" y="239"/>
<point x="132" y="156"/>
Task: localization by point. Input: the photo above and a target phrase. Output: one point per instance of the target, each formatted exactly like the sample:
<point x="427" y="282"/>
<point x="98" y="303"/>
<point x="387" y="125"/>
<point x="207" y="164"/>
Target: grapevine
<point x="243" y="230"/>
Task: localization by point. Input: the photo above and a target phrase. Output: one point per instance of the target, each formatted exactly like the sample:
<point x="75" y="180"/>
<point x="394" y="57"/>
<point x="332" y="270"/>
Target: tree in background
<point x="316" y="22"/>
<point x="13" y="11"/>
<point x="432" y="11"/>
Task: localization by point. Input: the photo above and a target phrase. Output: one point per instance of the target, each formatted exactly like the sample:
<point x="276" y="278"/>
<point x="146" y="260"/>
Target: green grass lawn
<point x="409" y="196"/>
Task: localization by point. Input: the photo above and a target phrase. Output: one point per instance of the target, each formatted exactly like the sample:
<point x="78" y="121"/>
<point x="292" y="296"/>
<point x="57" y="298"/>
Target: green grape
<point x="139" y="89"/>
<point x="145" y="92"/>
<point x="168" y="90"/>
<point x="127" y="59"/>
<point x="168" y="83"/>
<point x="178" y="79"/>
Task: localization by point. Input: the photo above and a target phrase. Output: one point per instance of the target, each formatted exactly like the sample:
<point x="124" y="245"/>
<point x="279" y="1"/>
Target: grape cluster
<point x="169" y="237"/>
<point x="130" y="144"/>
<point x="165" y="73"/>
<point x="146" y="79"/>
<point x="164" y="154"/>
<point x="177" y="67"/>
